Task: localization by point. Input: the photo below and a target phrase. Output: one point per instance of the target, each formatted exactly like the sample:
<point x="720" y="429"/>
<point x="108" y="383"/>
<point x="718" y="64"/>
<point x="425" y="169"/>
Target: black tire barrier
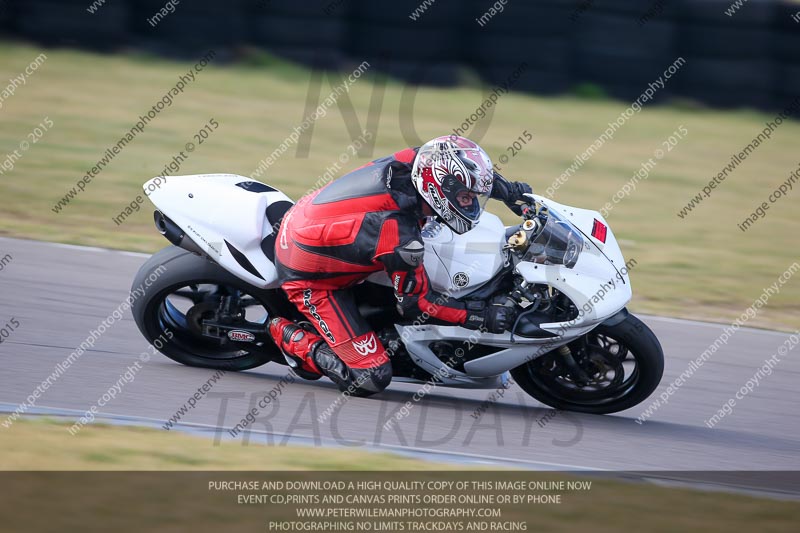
<point x="728" y="82"/>
<point x="68" y="23"/>
<point x="616" y="51"/>
<point x="724" y="42"/>
<point x="441" y="14"/>
<point x="553" y="53"/>
<point x="300" y="8"/>
<point x="192" y="27"/>
<point x="532" y="79"/>
<point x="713" y="12"/>
<point x="328" y="59"/>
<point x="787" y="17"/>
<point x="748" y="58"/>
<point x="436" y="74"/>
<point x="281" y="30"/>
<point x="786" y="45"/>
<point x="394" y="43"/>
<point x="788" y="85"/>
<point x="543" y="18"/>
<point x="7" y="17"/>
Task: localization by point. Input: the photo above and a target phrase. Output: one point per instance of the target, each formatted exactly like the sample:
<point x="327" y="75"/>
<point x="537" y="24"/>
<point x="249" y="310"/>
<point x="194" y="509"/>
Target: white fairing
<point x="459" y="264"/>
<point x="598" y="284"/>
<point x="221" y="217"/>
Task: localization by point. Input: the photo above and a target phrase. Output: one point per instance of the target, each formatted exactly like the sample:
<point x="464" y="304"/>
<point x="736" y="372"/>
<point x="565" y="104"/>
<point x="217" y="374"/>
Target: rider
<point x="367" y="221"/>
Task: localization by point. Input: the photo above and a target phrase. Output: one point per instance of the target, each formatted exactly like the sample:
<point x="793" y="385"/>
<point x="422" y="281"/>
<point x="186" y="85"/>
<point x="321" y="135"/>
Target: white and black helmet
<point x="454" y="176"/>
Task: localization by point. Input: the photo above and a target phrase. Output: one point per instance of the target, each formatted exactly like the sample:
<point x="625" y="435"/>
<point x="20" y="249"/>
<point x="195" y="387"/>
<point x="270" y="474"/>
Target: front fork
<point x="566" y="353"/>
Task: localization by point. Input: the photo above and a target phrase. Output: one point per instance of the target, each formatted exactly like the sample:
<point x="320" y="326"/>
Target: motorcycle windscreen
<point x="558" y="243"/>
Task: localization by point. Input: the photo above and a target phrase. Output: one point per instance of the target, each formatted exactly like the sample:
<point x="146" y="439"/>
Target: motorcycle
<point x="573" y="346"/>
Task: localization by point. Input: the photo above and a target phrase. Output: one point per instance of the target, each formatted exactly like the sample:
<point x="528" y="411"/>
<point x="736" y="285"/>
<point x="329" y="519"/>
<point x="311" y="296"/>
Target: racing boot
<point x="310" y="357"/>
<point x="297" y="345"/>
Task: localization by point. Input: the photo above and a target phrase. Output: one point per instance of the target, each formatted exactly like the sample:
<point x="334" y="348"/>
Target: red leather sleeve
<point x="401" y="251"/>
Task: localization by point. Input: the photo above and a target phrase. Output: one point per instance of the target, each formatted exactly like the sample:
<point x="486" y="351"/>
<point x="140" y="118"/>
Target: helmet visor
<point x="466" y="203"/>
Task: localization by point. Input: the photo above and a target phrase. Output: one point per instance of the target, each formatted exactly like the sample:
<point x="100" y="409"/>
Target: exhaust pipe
<point x="174" y="234"/>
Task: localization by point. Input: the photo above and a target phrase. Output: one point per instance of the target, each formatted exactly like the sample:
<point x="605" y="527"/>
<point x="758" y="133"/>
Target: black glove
<point x="510" y="193"/>
<point x="494" y="318"/>
<point x="499" y="318"/>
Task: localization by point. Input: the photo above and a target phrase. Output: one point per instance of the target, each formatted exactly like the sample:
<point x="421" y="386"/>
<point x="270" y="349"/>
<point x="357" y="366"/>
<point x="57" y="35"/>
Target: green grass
<point x="701" y="267"/>
<point x="45" y="444"/>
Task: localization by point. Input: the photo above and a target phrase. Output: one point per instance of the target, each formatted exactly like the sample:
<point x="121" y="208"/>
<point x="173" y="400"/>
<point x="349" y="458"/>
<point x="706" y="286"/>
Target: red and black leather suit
<point x="364" y="222"/>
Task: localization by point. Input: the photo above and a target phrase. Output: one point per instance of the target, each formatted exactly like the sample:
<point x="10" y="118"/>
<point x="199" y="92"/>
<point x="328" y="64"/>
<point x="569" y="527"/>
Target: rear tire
<point x="174" y="268"/>
<point x="546" y="378"/>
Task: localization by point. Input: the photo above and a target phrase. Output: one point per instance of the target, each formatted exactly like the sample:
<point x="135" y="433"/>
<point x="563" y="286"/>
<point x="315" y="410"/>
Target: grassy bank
<point x="701" y="266"/>
<point x="45" y="444"/>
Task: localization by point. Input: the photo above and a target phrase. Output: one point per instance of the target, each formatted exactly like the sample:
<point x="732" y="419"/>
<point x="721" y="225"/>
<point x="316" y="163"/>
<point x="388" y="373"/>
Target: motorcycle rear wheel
<point x="616" y="367"/>
<point x="184" y="289"/>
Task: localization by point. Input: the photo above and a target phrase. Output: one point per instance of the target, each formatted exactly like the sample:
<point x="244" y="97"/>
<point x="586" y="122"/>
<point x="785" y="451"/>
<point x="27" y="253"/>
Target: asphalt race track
<point x="58" y="293"/>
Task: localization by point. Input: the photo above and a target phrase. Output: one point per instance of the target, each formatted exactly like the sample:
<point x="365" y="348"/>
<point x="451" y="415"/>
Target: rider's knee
<point x="369" y="381"/>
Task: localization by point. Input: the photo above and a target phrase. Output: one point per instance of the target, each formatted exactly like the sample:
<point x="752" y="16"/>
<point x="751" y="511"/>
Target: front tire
<point x="174" y="273"/>
<point x="612" y="368"/>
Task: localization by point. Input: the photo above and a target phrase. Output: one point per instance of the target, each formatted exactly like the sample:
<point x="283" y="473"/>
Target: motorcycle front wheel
<point x="181" y="292"/>
<point x="610" y="369"/>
